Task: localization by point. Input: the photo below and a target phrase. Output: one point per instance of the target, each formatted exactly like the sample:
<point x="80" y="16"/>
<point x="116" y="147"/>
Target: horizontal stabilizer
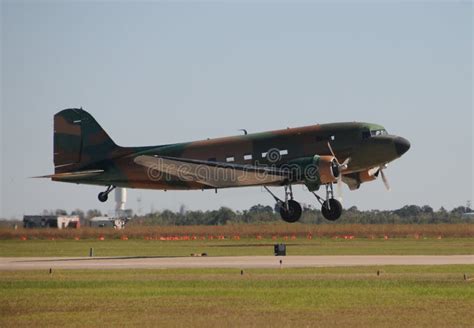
<point x="73" y="175"/>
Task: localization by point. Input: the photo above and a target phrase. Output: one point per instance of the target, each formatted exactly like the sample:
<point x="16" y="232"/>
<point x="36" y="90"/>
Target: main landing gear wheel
<point x="292" y="213"/>
<point x="290" y="210"/>
<point x="331" y="209"/>
<point x="104" y="195"/>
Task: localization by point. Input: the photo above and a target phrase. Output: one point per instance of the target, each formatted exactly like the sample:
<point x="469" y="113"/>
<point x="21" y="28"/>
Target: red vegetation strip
<point x="259" y="232"/>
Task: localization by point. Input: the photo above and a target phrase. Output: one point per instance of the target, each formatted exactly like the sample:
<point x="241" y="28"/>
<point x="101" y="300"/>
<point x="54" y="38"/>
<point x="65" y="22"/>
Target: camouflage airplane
<point x="317" y="156"/>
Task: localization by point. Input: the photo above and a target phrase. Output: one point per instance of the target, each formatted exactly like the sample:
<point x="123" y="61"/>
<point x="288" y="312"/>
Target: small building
<point x="107" y="222"/>
<point x="468" y="215"/>
<point x="51" y="221"/>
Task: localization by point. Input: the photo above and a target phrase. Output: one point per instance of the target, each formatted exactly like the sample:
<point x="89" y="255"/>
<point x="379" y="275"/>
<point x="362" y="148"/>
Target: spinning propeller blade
<point x="385" y="180"/>
<point x="341" y="167"/>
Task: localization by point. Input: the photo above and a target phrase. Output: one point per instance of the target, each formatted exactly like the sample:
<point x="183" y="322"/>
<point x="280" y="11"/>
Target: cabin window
<point x="230" y="159"/>
<point x="332" y="137"/>
<point x="284" y="152"/>
<point x="264" y="154"/>
<point x="247" y="157"/>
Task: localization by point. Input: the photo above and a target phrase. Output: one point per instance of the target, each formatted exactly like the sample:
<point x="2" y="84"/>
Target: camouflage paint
<point x="80" y="144"/>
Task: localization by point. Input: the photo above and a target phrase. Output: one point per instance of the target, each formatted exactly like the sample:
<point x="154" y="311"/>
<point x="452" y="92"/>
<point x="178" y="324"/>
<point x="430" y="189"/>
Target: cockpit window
<point x="373" y="133"/>
<point x="380" y="132"/>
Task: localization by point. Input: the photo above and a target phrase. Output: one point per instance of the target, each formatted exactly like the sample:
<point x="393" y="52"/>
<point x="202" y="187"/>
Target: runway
<point x="242" y="262"/>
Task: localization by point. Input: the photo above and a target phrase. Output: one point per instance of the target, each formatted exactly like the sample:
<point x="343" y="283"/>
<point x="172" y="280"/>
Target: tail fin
<point x="79" y="141"/>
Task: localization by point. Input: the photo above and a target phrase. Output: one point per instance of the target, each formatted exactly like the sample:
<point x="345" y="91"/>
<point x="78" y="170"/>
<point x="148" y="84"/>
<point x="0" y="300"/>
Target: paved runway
<point x="19" y="263"/>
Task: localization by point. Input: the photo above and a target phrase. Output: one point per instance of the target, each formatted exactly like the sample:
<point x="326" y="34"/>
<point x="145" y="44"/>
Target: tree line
<point x="409" y="214"/>
<point x="266" y="214"/>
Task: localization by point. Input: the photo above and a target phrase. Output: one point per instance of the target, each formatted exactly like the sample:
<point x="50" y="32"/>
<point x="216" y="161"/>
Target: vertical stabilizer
<point x="79" y="140"/>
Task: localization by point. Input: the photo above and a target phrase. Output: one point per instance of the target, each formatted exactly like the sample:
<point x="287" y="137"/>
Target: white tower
<point x="120" y="200"/>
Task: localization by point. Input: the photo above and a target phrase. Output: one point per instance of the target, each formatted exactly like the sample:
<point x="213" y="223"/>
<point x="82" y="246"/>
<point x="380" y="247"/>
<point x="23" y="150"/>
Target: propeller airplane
<point x="317" y="156"/>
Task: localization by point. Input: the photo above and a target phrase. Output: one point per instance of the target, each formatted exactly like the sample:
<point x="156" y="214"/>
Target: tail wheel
<point x="103" y="196"/>
<point x="331" y="209"/>
<point x="293" y="213"/>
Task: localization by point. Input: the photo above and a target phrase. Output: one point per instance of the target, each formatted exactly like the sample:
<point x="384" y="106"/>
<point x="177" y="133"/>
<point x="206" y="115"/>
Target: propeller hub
<point x="336" y="168"/>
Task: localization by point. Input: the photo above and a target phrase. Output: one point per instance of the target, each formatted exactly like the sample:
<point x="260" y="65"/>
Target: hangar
<point x="51" y="221"/>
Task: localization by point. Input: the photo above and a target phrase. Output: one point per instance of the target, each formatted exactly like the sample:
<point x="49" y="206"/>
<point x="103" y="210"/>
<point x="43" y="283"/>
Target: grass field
<point x="415" y="296"/>
<point x="268" y="231"/>
<point x="244" y="246"/>
<point x="320" y="297"/>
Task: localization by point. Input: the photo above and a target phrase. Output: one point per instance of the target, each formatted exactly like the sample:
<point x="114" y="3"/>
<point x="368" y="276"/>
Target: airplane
<point x="316" y="156"/>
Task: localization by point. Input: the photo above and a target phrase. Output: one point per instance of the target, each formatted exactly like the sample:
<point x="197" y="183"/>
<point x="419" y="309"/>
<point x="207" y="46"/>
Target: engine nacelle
<point x="354" y="180"/>
<point x="368" y="175"/>
<point x="315" y="171"/>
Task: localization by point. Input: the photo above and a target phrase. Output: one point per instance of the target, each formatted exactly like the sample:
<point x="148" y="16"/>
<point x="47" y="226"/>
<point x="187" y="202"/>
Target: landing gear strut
<point x="290" y="210"/>
<point x="331" y="208"/>
<point x="104" y="195"/>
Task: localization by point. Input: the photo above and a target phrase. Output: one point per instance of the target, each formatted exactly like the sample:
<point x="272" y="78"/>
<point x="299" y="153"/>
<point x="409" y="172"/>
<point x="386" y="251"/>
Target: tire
<point x="334" y="211"/>
<point x="103" y="197"/>
<point x="293" y="213"/>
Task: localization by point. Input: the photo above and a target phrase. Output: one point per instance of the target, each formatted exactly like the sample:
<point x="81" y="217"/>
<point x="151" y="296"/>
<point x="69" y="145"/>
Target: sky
<point x="159" y="72"/>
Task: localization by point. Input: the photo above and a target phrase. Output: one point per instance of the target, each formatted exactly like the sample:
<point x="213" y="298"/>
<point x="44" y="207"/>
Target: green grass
<point x="247" y="246"/>
<point x="415" y="296"/>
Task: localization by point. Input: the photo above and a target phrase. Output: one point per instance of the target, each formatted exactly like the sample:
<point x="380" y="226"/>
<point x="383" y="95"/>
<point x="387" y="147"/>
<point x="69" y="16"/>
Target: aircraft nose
<point x="401" y="145"/>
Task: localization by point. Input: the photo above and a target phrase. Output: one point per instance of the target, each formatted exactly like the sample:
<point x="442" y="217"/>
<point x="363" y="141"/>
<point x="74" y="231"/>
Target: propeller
<point x="384" y="179"/>
<point x="340" y="167"/>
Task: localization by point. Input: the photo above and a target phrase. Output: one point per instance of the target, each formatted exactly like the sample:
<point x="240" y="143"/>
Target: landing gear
<point x="292" y="213"/>
<point x="290" y="210"/>
<point x="331" y="208"/>
<point x="104" y="195"/>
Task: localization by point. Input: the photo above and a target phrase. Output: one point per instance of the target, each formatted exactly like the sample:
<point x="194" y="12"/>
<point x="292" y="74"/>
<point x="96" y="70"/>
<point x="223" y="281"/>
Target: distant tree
<point x="221" y="216"/>
<point x="169" y="217"/>
<point x="93" y="213"/>
<point x="261" y="213"/>
<point x="79" y="213"/>
<point x="261" y="209"/>
<point x="353" y="209"/>
<point x="60" y="212"/>
<point x="427" y="209"/>
<point x="408" y="211"/>
<point x="460" y="210"/>
<point x="194" y="218"/>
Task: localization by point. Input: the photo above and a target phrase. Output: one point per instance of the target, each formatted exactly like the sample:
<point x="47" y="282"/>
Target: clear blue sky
<point x="155" y="73"/>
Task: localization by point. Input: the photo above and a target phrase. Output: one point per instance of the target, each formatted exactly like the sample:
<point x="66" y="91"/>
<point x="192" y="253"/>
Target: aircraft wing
<point x="212" y="174"/>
